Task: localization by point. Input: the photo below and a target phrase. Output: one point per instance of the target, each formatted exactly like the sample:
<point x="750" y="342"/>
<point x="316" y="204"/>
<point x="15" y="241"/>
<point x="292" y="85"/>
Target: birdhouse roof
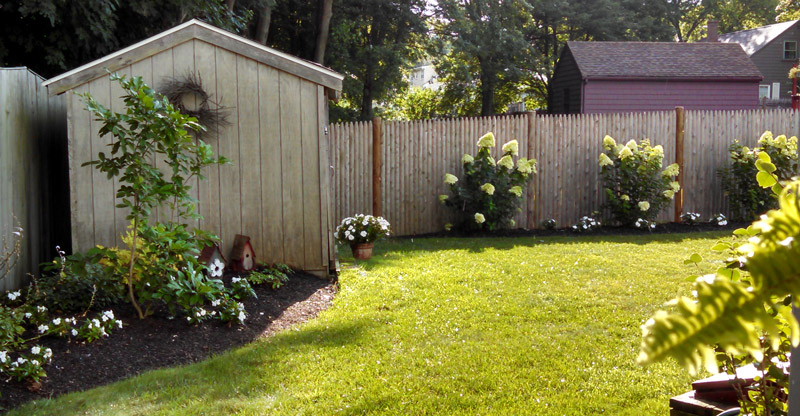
<point x="208" y="252"/>
<point x="195" y="29"/>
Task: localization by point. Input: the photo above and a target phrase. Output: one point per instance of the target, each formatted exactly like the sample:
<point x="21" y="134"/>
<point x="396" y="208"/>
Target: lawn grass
<point x="505" y="326"/>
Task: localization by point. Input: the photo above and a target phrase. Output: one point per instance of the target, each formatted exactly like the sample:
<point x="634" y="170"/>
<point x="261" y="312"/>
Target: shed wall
<point x="629" y="96"/>
<point x="273" y="191"/>
<point x="769" y="60"/>
<point x="565" y="90"/>
<point x="32" y="171"/>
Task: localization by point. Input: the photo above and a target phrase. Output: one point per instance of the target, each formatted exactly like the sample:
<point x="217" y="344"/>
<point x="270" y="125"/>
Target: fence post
<point x="680" y="124"/>
<point x="377" y="166"/>
<point x="530" y="215"/>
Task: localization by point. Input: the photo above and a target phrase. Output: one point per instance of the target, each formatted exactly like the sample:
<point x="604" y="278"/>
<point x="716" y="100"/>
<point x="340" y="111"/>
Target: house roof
<point x="195" y="29"/>
<point x="752" y="40"/>
<point x="662" y="60"/>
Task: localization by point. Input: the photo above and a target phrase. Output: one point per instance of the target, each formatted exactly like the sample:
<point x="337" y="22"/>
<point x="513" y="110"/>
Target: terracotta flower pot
<point x="361" y="251"/>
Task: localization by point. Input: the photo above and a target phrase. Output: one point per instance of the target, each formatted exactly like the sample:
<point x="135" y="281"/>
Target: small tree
<point x="635" y="186"/>
<point x="490" y="192"/>
<point x="150" y="126"/>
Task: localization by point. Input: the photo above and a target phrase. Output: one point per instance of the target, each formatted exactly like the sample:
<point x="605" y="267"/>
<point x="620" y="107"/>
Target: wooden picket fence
<point x="415" y="155"/>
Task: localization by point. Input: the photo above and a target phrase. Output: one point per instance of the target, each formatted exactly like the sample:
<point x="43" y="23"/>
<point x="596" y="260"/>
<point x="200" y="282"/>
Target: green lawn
<point x="506" y="326"/>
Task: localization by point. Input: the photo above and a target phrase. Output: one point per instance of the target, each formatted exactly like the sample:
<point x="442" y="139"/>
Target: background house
<point x="607" y="77"/>
<point x="276" y="190"/>
<point x="773" y="50"/>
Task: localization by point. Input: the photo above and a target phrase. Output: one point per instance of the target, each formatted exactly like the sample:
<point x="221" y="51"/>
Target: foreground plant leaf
<point x="728" y="313"/>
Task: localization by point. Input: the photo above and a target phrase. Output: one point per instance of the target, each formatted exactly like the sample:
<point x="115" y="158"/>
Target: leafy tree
<point x="373" y="43"/>
<point x="788" y="10"/>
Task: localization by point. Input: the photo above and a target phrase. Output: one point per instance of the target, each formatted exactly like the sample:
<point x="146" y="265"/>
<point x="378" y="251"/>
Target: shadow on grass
<point x="398" y="249"/>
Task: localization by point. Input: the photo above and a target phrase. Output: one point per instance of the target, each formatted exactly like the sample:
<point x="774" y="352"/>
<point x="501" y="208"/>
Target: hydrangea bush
<point x="636" y="186"/>
<point x="361" y="229"/>
<point x="585" y="224"/>
<point x="490" y="192"/>
<point x="739" y="179"/>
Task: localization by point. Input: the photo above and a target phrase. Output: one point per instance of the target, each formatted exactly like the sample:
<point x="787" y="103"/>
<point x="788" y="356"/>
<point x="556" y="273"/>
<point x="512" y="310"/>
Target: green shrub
<point x="490" y="192"/>
<point x="275" y="276"/>
<point x="635" y="185"/>
<point x="747" y="199"/>
<point x="549" y="224"/>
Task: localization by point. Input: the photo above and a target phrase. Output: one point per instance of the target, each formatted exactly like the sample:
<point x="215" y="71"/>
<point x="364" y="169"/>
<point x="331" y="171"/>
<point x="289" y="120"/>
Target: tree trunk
<point x="487" y="93"/>
<point x="366" y="103"/>
<point x="230" y="4"/>
<point x="263" y="24"/>
<point x="323" y="28"/>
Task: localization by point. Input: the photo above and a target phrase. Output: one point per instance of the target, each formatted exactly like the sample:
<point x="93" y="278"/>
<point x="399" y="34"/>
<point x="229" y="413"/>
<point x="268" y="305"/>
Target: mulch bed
<point x="158" y="342"/>
<point x="667" y="228"/>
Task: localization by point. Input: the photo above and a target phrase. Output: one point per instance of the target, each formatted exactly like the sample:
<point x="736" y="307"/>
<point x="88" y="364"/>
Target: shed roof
<point x="662" y="60"/>
<point x="195" y="29"/>
<point x="752" y="40"/>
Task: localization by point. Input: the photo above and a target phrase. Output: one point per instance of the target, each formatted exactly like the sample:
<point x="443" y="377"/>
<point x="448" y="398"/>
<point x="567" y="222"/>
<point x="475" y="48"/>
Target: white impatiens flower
<point x="609" y="142"/>
<point x="236" y="279"/>
<point x="35" y="363"/>
<point x="479" y="218"/>
<point x="217" y="267"/>
<point x="487" y="140"/>
<point x="119" y="323"/>
<point x="511" y="147"/>
<point x="28" y="315"/>
<point x="350" y="237"/>
<point x="13" y="295"/>
<point x="443" y="198"/>
<point x="467" y="159"/>
<point x="605" y="160"/>
<point x="35" y="350"/>
<point x="488" y="188"/>
<point x="506" y="162"/>
<point x="57" y="321"/>
<point x="625" y="153"/>
<point x="215" y="302"/>
<point x="40" y="309"/>
<point x="450" y="179"/>
<point x="43" y="329"/>
<point x="644" y="205"/>
<point x="516" y="190"/>
<point x="242" y="316"/>
<point x="74" y="332"/>
<point x="3" y="356"/>
<point x="363" y="233"/>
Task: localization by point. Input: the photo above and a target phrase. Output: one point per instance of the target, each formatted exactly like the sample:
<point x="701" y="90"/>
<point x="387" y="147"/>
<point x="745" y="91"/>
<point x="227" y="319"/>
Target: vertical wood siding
<point x="272" y="191"/>
<point x="417" y="154"/>
<point x="32" y="183"/>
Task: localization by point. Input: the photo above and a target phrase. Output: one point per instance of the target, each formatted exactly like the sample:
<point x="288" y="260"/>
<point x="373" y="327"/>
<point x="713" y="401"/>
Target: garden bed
<point x="160" y="342"/>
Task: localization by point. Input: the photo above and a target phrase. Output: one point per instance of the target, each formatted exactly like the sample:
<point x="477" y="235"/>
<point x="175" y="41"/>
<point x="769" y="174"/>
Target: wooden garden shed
<point x="270" y="112"/>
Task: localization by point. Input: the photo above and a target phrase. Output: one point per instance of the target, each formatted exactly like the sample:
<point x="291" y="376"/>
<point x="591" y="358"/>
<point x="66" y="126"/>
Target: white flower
<point x="35" y="362"/>
<point x="467" y="159"/>
<point x="350" y="237"/>
<point x="658" y="149"/>
<point x="487" y="140"/>
<point x="506" y="162"/>
<point x="605" y="160"/>
<point x="40" y="309"/>
<point x="450" y="179"/>
<point x="57" y="321"/>
<point x="43" y="329"/>
<point x="47" y="354"/>
<point x="609" y="142"/>
<point x="217" y="267"/>
<point x="479" y="218"/>
<point x="74" y="332"/>
<point x="669" y="193"/>
<point x="28" y="315"/>
<point x="625" y="198"/>
<point x="625" y="153"/>
<point x="3" y="356"/>
<point x="13" y="295"/>
<point x="215" y="302"/>
<point x="511" y="147"/>
<point x="242" y="316"/>
<point x="236" y="279"/>
<point x="363" y="233"/>
<point x="104" y="318"/>
<point x="96" y="323"/>
<point x="632" y="145"/>
<point x="488" y="188"/>
<point x="671" y="171"/>
<point x="35" y="350"/>
<point x="21" y="360"/>
<point x="644" y="205"/>
<point x="516" y="190"/>
<point x="723" y="222"/>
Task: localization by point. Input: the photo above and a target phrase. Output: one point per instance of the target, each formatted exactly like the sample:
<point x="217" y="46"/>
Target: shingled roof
<point x="662" y="60"/>
<point x="752" y="40"/>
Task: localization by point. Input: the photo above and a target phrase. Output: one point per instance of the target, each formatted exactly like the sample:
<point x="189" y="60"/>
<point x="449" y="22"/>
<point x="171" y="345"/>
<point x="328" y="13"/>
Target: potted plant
<point x="360" y="231"/>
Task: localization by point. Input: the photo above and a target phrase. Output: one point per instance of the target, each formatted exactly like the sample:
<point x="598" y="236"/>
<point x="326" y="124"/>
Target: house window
<point x="763" y="91"/>
<point x="790" y="49"/>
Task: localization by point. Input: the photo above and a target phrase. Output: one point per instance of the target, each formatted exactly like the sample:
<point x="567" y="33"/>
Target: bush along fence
<point x="396" y="169"/>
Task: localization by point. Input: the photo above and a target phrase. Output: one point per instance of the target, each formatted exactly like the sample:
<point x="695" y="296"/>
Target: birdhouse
<point x="243" y="257"/>
<point x="212" y="258"/>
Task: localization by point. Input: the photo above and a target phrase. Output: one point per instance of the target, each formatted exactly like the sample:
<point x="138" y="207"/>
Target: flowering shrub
<point x="635" y="185"/>
<point x="739" y="179"/>
<point x="718" y="219"/>
<point x="643" y="224"/>
<point x="549" y="224"/>
<point x="690" y="218"/>
<point x="362" y="229"/>
<point x="489" y="193"/>
<point x="585" y="224"/>
<point x="241" y="288"/>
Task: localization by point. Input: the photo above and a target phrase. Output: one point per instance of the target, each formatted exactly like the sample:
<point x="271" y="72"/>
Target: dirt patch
<point x="158" y="342"/>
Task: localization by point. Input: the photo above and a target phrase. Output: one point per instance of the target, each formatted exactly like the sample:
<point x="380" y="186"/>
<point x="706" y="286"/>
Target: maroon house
<point x="617" y="77"/>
